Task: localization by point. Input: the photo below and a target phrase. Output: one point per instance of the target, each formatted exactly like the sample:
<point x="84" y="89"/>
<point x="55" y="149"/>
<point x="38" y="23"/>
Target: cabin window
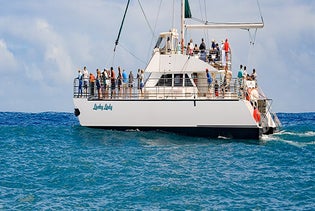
<point x="195" y="78"/>
<point x="178" y="79"/>
<point x="165" y="80"/>
<point x="188" y="81"/>
<point x="158" y="43"/>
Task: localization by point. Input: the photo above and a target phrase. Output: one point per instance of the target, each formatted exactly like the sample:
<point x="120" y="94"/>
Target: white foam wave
<point x="309" y="134"/>
<point x="304" y="134"/>
<point x="267" y="138"/>
<point x="223" y="137"/>
<point x="299" y="144"/>
<point x="274" y="137"/>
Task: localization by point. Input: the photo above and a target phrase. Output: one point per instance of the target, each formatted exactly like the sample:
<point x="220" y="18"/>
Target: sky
<point x="44" y="42"/>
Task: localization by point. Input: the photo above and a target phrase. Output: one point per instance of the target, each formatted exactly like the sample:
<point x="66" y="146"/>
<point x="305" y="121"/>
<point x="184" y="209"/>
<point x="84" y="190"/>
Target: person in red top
<point x="92" y="83"/>
<point x="226" y="48"/>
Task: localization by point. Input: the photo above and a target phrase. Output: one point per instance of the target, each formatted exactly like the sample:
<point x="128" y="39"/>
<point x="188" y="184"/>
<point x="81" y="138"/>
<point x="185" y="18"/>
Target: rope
<point x="200" y="8"/>
<point x="155" y="24"/>
<point x="130" y="52"/>
<point x="145" y="17"/>
<point x="262" y="19"/>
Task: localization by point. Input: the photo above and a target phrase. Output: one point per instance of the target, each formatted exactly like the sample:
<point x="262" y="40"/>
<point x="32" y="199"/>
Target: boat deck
<point x="231" y="91"/>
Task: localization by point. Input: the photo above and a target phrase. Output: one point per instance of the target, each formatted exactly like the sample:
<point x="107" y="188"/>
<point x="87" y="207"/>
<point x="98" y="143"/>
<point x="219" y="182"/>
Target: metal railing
<point x="218" y="89"/>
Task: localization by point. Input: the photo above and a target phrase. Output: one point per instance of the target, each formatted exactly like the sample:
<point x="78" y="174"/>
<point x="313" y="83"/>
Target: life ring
<point x="256" y="115"/>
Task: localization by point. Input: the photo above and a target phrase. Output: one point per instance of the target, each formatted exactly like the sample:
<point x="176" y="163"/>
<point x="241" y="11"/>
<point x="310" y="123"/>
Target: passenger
<point x="80" y="77"/>
<point x="240" y="81"/>
<point x="244" y="75"/>
<point x="141" y="82"/>
<point x="202" y="46"/>
<point x="98" y="83"/>
<point x="113" y="82"/>
<point x="125" y="82"/>
<point x="227" y="49"/>
<point x="105" y="84"/>
<point x="179" y="48"/>
<point x="253" y="75"/>
<point x="92" y="84"/>
<point x="130" y="83"/>
<point x="224" y="83"/>
<point x="248" y="77"/>
<point x="228" y="74"/>
<point x="213" y="45"/>
<point x="119" y="81"/>
<point x="202" y="49"/>
<point x="85" y="80"/>
<point x="196" y="49"/>
<point x="217" y="50"/>
<point x="191" y="47"/>
<point x="108" y="81"/>
<point x="223" y="59"/>
<point x="216" y="88"/>
<point x="240" y="72"/>
<point x="188" y="49"/>
<point x="209" y="80"/>
<point x="138" y="79"/>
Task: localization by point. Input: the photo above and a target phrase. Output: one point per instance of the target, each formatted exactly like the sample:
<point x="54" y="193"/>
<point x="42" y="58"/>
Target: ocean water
<point x="49" y="162"/>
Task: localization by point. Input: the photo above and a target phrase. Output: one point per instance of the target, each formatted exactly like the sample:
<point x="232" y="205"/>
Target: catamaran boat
<point x="177" y="96"/>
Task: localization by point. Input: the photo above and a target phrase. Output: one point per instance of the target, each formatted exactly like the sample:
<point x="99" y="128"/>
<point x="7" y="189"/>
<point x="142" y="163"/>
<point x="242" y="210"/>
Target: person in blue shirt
<point x="125" y="81"/>
<point x="240" y="80"/>
<point x="209" y="80"/>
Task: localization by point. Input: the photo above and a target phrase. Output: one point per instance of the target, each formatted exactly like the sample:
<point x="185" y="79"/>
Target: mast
<point x="122" y="23"/>
<point x="182" y="28"/>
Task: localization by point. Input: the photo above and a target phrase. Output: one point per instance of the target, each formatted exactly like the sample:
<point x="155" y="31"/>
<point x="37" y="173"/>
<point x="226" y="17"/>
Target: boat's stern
<point x="269" y="121"/>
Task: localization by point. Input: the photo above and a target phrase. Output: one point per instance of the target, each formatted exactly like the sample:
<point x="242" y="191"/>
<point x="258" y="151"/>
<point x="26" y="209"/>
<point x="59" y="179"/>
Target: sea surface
<point x="49" y="162"/>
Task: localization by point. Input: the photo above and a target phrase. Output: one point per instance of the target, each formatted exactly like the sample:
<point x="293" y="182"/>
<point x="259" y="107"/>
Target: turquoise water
<point x="49" y="162"/>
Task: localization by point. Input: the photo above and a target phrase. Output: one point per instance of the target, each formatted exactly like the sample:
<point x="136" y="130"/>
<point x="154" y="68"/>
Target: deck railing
<point x="230" y="90"/>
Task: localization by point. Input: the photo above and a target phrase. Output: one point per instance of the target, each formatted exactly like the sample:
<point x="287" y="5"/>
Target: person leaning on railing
<point x="80" y="77"/>
<point x="130" y="83"/>
<point x="85" y="80"/>
<point x="112" y="82"/>
<point x="92" y="83"/>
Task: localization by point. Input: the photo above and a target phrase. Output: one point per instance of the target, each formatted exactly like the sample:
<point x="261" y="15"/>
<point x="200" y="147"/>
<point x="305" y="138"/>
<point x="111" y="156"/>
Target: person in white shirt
<point x="85" y="80"/>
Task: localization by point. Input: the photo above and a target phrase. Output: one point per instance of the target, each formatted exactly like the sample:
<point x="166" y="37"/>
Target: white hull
<point x="215" y="117"/>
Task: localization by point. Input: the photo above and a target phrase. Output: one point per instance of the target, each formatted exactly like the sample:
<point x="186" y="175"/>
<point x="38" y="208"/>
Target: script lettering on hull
<point x="102" y="107"/>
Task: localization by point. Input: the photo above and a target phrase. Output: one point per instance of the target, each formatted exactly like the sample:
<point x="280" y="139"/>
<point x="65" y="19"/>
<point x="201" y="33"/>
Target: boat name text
<point x="101" y="107"/>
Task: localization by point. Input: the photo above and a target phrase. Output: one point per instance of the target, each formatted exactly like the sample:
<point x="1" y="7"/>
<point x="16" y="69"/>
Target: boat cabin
<point x="167" y="42"/>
